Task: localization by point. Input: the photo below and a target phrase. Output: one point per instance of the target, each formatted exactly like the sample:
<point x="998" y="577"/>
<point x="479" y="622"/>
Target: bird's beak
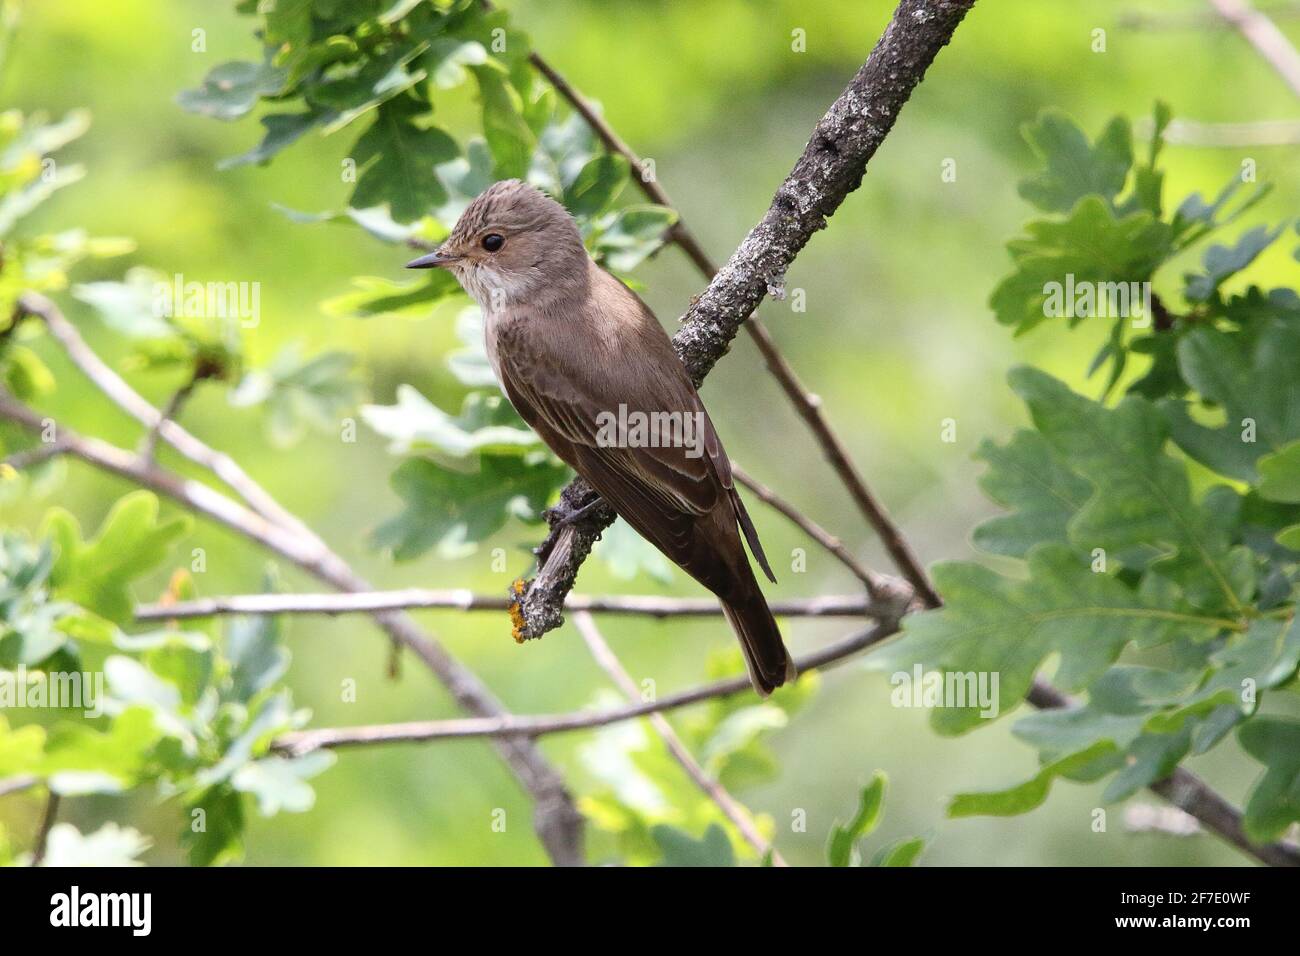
<point x="434" y="260"/>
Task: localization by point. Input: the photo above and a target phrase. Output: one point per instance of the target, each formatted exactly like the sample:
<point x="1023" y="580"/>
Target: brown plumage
<point x="571" y="344"/>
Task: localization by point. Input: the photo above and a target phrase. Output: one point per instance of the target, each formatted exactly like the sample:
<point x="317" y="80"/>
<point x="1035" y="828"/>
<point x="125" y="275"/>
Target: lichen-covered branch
<point x="832" y="166"/>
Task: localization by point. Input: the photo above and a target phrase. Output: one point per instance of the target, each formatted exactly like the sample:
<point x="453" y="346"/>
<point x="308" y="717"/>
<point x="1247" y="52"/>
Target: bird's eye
<point x="493" y="241"/>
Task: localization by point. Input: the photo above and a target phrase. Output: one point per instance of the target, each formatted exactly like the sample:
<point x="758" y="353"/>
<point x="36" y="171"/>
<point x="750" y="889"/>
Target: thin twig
<point x="1198" y="19"/>
<point x="31" y="457"/>
<point x="17" y="784"/>
<point x="304" y="741"/>
<point x="170" y="412"/>
<point x="47" y="823"/>
<point x="877" y="585"/>
<point x="645" y="605"/>
<point x="1225" y="135"/>
<point x="1265" y="36"/>
<point x="731" y="808"/>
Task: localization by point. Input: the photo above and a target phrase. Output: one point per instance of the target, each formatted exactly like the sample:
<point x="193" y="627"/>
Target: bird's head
<point x="512" y="245"/>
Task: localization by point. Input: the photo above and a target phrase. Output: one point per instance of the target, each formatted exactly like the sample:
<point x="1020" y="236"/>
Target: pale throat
<point x="495" y="290"/>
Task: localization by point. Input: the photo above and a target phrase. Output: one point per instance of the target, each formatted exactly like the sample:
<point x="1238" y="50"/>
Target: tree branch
<point x="368" y="602"/>
<point x="1265" y="36"/>
<point x="304" y="741"/>
<point x="832" y="165"/>
<point x="47" y="824"/>
<point x="731" y="808"/>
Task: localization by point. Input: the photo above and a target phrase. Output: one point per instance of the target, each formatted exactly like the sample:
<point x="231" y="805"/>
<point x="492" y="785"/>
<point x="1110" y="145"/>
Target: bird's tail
<point x="766" y="658"/>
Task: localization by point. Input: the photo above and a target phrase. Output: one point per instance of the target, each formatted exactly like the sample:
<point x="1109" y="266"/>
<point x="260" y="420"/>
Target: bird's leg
<point x="570" y="509"/>
<point x="562" y="514"/>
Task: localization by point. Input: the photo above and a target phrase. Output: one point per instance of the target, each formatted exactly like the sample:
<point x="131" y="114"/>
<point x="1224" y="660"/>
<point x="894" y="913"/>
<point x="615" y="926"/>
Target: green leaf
<point x="1026" y="476"/>
<point x="396" y="159"/>
<point x="279" y="783"/>
<point x="1280" y="474"/>
<point x="214" y="829"/>
<point x="993" y="625"/>
<point x="680" y="849"/>
<point x="839" y="847"/>
<point x="596" y="186"/>
<point x="507" y="132"/>
<point x="300" y="392"/>
<point x="1251" y="377"/>
<point x="79" y="759"/>
<point x="902" y="853"/>
<point x="1274" y="802"/>
<point x="1074" y="168"/>
<point x="257" y="658"/>
<point x="1142" y="496"/>
<point x="231" y="90"/>
<point x="453" y="509"/>
<point x="110" y="845"/>
<point x="282" y="130"/>
<point x="632" y="235"/>
<point x="449" y="57"/>
<point x="97" y="574"/>
<point x="487" y="423"/>
<point x="1223" y="262"/>
<point x="1030" y="794"/>
<point x="288" y="27"/>
<point x="128" y="307"/>
<point x="627" y="554"/>
<point x="373" y="297"/>
<point x="1085" y="252"/>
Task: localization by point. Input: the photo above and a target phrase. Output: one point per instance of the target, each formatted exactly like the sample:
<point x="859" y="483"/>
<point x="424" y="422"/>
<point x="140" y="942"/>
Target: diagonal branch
<point x="731" y="808"/>
<point x="1265" y="36"/>
<point x="832" y="165"/>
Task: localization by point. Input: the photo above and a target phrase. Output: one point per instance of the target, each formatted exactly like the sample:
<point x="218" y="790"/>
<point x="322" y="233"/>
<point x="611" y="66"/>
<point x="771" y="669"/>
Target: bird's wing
<point x="562" y="385"/>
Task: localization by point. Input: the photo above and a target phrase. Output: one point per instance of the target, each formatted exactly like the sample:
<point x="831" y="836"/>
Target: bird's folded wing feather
<point x="659" y="490"/>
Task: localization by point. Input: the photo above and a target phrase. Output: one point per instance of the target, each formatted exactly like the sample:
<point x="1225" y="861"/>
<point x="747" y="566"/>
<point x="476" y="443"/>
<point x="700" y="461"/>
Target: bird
<point x="584" y="362"/>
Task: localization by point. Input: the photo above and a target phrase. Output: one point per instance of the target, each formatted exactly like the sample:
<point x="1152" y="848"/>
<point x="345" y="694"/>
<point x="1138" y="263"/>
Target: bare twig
<point x="31" y="457"/>
<point x="304" y="741"/>
<point x="47" y="823"/>
<point x="17" y="784"/>
<point x="835" y="605"/>
<point x="170" y="412"/>
<point x="879" y="586"/>
<point x="832" y="165"/>
<point x="558" y="822"/>
<point x="1226" y="135"/>
<point x="1198" y="19"/>
<point x="1191" y="794"/>
<point x="731" y="808"/>
<point x="1265" y="36"/>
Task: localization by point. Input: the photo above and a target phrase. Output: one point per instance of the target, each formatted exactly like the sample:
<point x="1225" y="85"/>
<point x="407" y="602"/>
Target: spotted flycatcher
<point x="586" y="364"/>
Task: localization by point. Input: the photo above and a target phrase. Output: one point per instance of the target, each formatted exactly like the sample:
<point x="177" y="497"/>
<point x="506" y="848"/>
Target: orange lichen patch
<point x="517" y="622"/>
